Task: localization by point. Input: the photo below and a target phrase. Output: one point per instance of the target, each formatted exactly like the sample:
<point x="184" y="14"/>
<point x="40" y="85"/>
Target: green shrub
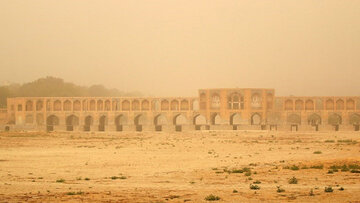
<point x="257" y="182"/>
<point x="212" y="198"/>
<point x="254" y="187"/>
<point x="293" y="180"/>
<point x="294" y="168"/>
<point x="328" y="189"/>
<point x="235" y="191"/>
<point x="317" y="166"/>
<point x="317" y="152"/>
<point x="279" y="189"/>
<point x="60" y="180"/>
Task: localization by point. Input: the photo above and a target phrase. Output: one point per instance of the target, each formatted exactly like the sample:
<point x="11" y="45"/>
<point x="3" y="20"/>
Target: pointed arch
<point x="309" y="105"/>
<point x="256" y="119"/>
<point x="334" y="119"/>
<point x="235" y="119"/>
<point x="340" y="104"/>
<point x="29" y="105"/>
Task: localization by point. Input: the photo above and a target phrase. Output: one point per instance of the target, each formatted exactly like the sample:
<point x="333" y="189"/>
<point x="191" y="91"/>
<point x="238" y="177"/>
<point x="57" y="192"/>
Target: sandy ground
<point x="178" y="167"/>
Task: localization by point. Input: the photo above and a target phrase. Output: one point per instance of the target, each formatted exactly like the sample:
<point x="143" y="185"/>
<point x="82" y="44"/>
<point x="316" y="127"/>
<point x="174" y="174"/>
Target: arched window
<point x="164" y="105"/>
<point x="329" y="104"/>
<point x="299" y="105"/>
<point x="289" y="105"/>
<point x="67" y="105"/>
<point x="29" y="106"/>
<point x="135" y="105"/>
<point x="309" y="105"/>
<point x="174" y="105"/>
<point x="340" y="104"/>
<point x="145" y="105"/>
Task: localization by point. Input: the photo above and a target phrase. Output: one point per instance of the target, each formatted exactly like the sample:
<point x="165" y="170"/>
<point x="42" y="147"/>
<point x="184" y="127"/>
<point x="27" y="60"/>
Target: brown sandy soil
<point x="177" y="167"/>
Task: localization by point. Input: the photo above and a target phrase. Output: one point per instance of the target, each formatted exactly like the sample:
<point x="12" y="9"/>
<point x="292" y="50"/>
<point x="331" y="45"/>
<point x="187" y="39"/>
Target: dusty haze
<point x="174" y="47"/>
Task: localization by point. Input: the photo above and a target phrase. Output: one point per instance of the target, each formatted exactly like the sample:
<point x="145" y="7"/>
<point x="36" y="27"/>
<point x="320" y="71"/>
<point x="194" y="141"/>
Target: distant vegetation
<point x="56" y="87"/>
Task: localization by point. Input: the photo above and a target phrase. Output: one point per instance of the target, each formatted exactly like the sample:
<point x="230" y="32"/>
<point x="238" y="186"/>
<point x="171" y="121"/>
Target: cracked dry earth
<point x="180" y="167"/>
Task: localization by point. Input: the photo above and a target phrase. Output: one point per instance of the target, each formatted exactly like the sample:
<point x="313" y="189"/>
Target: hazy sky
<point x="174" y="47"/>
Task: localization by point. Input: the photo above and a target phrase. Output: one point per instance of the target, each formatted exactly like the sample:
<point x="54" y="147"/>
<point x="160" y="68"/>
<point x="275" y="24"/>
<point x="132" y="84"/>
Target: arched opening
<point x="155" y="105"/>
<point x="234" y="101"/>
<point x="67" y="105"/>
<point x="200" y="122"/>
<point x="289" y="105"/>
<point x="159" y="121"/>
<point x="256" y="101"/>
<point x="57" y="105"/>
<point x="29" y="105"/>
<point x="235" y="120"/>
<point x="184" y="106"/>
<point x="294" y="120"/>
<point x="89" y="120"/>
<point x="195" y="105"/>
<point x="340" y="105"/>
<point x="215" y="119"/>
<point x="215" y="101"/>
<point x="145" y="105"/>
<point x="120" y="121"/>
<point x="203" y="101"/>
<point x="164" y="105"/>
<point x="335" y="120"/>
<point x="92" y="105"/>
<point x="256" y="119"/>
<point x="77" y="105"/>
<point x="329" y="104"/>
<point x="125" y="105"/>
<point x="107" y="105"/>
<point x="7" y="128"/>
<point x="314" y="120"/>
<point x="102" y="123"/>
<point x="135" y="105"/>
<point x="174" y="105"/>
<point x="115" y="105"/>
<point x="139" y="121"/>
<point x="309" y="105"/>
<point x="355" y="121"/>
<point x="179" y="121"/>
<point x="71" y="121"/>
<point x="100" y="105"/>
<point x="299" y="105"/>
<point x="350" y="104"/>
<point x="51" y="121"/>
<point x="39" y="105"/>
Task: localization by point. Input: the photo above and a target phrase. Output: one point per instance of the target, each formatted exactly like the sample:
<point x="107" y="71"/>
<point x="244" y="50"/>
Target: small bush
<point x="60" y="180"/>
<point x="328" y="189"/>
<point x="330" y="172"/>
<point x="293" y="180"/>
<point x="235" y="191"/>
<point x="248" y="173"/>
<point x="341" y="189"/>
<point x="317" y="166"/>
<point x="311" y="193"/>
<point x="294" y="168"/>
<point x="317" y="152"/>
<point x="254" y="187"/>
<point x="355" y="171"/>
<point x="74" y="193"/>
<point x="354" y="166"/>
<point x="117" y="177"/>
<point x="279" y="189"/>
<point x="212" y="198"/>
<point x="87" y="179"/>
<point x="257" y="182"/>
<point x="330" y="141"/>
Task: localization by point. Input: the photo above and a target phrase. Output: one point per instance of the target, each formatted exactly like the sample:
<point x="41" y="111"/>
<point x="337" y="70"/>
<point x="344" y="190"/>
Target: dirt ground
<point x="180" y="167"/>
